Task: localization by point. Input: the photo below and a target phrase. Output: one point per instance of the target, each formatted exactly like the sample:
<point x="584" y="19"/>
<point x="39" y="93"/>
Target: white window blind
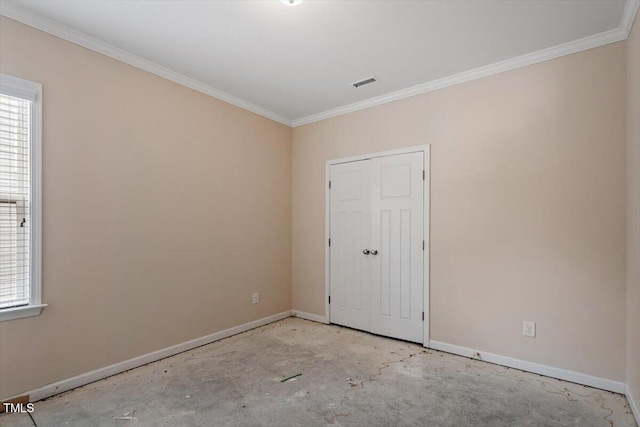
<point x="15" y="206"/>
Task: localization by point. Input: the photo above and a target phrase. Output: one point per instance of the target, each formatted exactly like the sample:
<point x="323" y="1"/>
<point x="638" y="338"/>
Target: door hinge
<point x="423" y="245"/>
<point x="329" y="299"/>
<point x="329" y="242"/>
<point x="423" y="175"/>
<point x="423" y="316"/>
<point x="329" y="185"/>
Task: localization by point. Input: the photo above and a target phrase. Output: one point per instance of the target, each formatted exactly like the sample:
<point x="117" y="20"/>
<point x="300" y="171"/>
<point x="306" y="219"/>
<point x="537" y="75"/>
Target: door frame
<point x="426" y="150"/>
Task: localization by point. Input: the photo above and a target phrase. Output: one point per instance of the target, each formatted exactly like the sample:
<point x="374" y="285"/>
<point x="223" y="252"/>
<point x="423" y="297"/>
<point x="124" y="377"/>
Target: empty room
<point x="319" y="213"/>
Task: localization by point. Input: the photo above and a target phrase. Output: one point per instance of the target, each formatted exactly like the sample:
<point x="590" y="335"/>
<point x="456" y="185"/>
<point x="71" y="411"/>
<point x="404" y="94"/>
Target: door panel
<point x="350" y="234"/>
<point x="378" y="204"/>
<point x="397" y="235"/>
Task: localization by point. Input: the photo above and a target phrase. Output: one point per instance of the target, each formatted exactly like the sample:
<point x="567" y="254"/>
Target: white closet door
<point x="350" y="236"/>
<point x="397" y="236"/>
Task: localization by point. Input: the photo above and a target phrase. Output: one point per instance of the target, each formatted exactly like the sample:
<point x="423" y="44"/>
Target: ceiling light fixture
<point x="291" y="2"/>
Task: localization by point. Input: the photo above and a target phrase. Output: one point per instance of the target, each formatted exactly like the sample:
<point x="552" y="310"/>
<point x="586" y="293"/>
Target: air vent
<point x="366" y="81"/>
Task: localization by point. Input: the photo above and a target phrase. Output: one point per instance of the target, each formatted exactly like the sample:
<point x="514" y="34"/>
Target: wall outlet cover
<point x="529" y="329"/>
<point x="256" y="298"/>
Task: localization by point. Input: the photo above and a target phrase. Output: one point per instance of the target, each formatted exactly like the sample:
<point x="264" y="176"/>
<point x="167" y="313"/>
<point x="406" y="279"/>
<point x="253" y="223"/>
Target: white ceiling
<point x="299" y="61"/>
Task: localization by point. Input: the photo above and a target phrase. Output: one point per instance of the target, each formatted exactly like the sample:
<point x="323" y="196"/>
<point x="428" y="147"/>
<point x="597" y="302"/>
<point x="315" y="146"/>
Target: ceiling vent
<point x="365" y="82"/>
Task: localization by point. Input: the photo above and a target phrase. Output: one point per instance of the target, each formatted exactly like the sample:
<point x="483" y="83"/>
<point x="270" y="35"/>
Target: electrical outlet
<point x="529" y="329"/>
<point x="256" y="298"/>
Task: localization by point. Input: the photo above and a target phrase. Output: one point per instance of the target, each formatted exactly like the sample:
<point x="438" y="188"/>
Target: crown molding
<point x="629" y="15"/>
<point x="590" y="42"/>
<point x="13" y="11"/>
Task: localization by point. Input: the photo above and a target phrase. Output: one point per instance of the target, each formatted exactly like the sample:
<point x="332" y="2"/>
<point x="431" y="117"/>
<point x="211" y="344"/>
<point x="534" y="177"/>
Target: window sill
<point x="20" y="312"/>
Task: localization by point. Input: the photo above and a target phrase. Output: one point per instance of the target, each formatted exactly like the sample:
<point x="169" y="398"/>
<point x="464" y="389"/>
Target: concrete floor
<point x="348" y="378"/>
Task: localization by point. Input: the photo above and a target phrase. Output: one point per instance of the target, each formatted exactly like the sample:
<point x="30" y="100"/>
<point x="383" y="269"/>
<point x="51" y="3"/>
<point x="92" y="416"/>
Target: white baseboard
<point x="89" y="377"/>
<point x="549" y="371"/>
<point x="309" y="316"/>
<point x="632" y="404"/>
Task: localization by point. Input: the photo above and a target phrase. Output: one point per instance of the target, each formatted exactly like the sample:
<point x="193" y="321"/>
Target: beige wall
<point x="164" y="209"/>
<point x="633" y="212"/>
<point x="527" y="207"/>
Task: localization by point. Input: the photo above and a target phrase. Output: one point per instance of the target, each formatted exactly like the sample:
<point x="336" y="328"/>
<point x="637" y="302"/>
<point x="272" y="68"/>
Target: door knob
<point x="374" y="252"/>
<point x="366" y="252"/>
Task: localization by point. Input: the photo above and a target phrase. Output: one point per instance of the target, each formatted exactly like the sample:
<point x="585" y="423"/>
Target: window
<point x="20" y="221"/>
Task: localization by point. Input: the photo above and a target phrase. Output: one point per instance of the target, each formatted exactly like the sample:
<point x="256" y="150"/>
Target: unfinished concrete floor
<point x="348" y="378"/>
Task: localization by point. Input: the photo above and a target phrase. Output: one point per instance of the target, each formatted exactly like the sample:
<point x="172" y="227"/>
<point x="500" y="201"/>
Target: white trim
<point x="13" y="11"/>
<point x="632" y="404"/>
<point x="310" y="316"/>
<point x="629" y="15"/>
<point x="426" y="149"/>
<point x="35" y="242"/>
<point x="21" y="312"/>
<point x="523" y="365"/>
<point x="89" y="377"/>
<point x="358" y="157"/>
<point x="427" y="247"/>
<point x="19" y="88"/>
<point x="15" y="86"/>
<point x="327" y="236"/>
<point x="589" y="42"/>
